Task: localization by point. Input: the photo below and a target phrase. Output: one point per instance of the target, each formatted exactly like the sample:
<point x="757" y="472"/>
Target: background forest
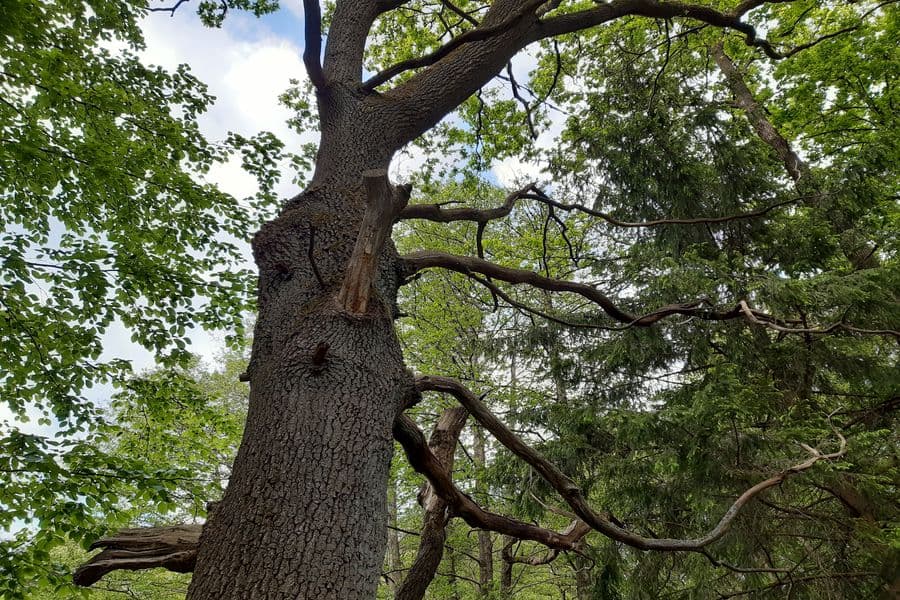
<point x="680" y="165"/>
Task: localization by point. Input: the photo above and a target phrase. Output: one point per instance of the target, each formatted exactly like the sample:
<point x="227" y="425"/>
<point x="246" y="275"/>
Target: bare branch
<point x="433" y="536"/>
<point x="571" y="493"/>
<point x="577" y="527"/>
<point x="418" y="261"/>
<point x="435" y="212"/>
<point x="473" y="35"/>
<point x="423" y="460"/>
<point x="169" y="9"/>
<point x="466" y="264"/>
<point x="577" y="21"/>
<point x="173" y="548"/>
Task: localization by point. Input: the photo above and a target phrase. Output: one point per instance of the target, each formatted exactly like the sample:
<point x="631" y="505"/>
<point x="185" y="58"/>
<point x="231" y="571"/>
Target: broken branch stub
<point x="383" y="203"/>
<point x="173" y="548"/>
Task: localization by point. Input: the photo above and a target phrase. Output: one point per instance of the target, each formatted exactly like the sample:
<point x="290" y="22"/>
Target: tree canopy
<point x="673" y="331"/>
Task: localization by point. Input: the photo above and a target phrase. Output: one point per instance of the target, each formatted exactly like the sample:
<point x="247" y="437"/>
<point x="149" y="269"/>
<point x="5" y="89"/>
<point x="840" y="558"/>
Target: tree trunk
<point x="434" y="527"/>
<point x="506" y="567"/>
<point x="485" y="542"/>
<point x="395" y="574"/>
<point x="305" y="510"/>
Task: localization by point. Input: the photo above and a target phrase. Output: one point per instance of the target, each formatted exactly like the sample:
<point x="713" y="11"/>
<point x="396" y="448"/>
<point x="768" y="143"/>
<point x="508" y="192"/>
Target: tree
<point x="305" y="509"/>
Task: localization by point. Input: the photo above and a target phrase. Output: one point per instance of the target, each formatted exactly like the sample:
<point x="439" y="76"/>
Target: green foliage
<point x="107" y="222"/>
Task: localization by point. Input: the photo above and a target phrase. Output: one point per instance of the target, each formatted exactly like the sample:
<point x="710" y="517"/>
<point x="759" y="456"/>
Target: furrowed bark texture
<point x="305" y="514"/>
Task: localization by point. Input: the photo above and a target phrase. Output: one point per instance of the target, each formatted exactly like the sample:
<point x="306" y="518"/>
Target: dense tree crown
<point x="661" y="363"/>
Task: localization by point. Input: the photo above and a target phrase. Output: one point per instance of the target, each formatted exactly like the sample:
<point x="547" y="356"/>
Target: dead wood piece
<point x="383" y="203"/>
<point x="173" y="548"/>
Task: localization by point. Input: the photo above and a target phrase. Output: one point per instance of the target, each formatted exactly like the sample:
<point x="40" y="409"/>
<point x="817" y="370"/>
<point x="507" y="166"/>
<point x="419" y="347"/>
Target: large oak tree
<point x="305" y="512"/>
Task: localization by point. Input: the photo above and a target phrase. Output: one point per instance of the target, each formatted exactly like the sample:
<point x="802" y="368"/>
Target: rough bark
<point x="305" y="510"/>
<point x="434" y="523"/>
<point x="395" y="574"/>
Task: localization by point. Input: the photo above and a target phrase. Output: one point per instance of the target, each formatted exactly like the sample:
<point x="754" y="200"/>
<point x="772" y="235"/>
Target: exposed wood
<point x="384" y="201"/>
<point x="172" y="548"/>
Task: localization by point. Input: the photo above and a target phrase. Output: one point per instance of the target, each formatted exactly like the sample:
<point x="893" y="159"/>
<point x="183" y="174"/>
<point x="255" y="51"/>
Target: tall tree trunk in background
<point x="434" y="523"/>
<point x="584" y="584"/>
<point x="485" y="542"/>
<point x="506" y="567"/>
<point x="395" y="574"/>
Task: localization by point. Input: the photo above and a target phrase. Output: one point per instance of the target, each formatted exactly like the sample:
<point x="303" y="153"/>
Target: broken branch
<point x="383" y="202"/>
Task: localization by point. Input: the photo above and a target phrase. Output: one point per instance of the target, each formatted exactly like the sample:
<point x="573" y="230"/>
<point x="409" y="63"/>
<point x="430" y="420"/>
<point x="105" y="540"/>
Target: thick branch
<point x="434" y="522"/>
<point x="571" y="493"/>
<point x="473" y="35"/>
<point x="312" y="34"/>
<point x="384" y="201"/>
<point x="172" y="548"/>
<point x="577" y="21"/>
<point x="423" y="460"/>
<point x="418" y="261"/>
<point x="347" y="36"/>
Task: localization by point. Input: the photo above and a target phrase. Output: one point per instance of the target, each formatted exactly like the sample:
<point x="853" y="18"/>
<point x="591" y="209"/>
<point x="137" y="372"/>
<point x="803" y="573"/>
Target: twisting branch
<point x="577" y="528"/>
<point x="466" y="265"/>
<point x="423" y="460"/>
<point x="312" y="33"/>
<point x="571" y="493"/>
<point x="383" y="202"/>
<point x="436" y="212"/>
<point x="433" y="536"/>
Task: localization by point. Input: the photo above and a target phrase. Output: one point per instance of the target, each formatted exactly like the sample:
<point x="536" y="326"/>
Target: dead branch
<point x="173" y="548"/>
<point x="383" y="202"/>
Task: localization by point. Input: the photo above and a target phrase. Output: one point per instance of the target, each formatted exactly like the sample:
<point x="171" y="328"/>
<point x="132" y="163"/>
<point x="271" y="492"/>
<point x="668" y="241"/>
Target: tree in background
<point x="708" y="309"/>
